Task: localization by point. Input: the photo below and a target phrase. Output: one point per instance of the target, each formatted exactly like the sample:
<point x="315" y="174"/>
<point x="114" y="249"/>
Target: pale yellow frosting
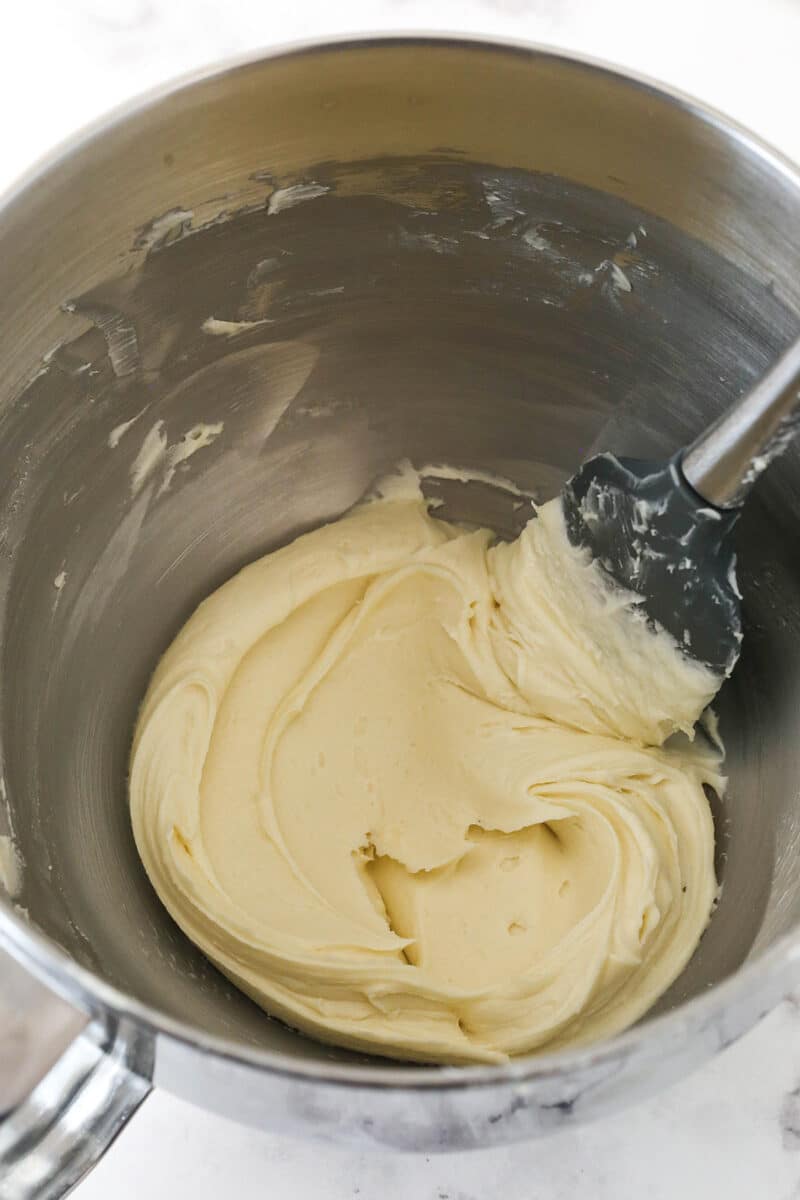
<point x="408" y="790"/>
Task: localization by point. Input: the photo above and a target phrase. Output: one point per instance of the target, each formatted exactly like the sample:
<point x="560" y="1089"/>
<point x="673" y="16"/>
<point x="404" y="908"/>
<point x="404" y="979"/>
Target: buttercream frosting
<point x="430" y="796"/>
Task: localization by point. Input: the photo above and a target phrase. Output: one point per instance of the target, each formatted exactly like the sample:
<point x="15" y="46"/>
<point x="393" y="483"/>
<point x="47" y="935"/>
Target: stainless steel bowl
<point x="427" y="249"/>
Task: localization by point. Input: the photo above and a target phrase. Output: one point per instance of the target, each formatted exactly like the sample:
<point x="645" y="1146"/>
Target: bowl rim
<point x="47" y="961"/>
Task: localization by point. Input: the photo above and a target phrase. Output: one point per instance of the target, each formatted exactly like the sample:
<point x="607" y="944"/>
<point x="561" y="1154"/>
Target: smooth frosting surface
<point x="407" y="789"/>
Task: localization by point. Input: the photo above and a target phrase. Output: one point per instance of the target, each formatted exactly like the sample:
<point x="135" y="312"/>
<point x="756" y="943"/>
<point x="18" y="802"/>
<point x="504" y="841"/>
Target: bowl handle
<point x="68" y="1084"/>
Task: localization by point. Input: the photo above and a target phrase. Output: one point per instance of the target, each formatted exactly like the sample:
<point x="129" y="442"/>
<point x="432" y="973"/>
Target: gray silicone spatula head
<point x="665" y="531"/>
<point x="653" y="535"/>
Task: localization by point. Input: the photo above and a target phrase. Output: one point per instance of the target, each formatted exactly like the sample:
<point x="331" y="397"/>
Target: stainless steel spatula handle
<point x="723" y="463"/>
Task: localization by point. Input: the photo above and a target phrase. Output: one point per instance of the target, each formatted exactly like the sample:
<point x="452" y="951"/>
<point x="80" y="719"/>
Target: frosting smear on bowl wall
<point x="428" y="795"/>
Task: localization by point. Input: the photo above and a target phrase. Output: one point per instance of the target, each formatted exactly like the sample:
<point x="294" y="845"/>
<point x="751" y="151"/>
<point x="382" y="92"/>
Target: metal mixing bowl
<point x="350" y="255"/>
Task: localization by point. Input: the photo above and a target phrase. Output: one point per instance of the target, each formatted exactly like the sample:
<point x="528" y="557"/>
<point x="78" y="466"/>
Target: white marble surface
<point x="733" y="1129"/>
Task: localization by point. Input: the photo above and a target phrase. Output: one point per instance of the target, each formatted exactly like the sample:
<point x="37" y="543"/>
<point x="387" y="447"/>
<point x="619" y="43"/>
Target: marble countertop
<point x="732" y="1129"/>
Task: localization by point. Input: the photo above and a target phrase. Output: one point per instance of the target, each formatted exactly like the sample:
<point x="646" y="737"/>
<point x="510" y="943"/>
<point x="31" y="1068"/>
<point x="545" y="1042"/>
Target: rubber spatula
<point x="666" y="530"/>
